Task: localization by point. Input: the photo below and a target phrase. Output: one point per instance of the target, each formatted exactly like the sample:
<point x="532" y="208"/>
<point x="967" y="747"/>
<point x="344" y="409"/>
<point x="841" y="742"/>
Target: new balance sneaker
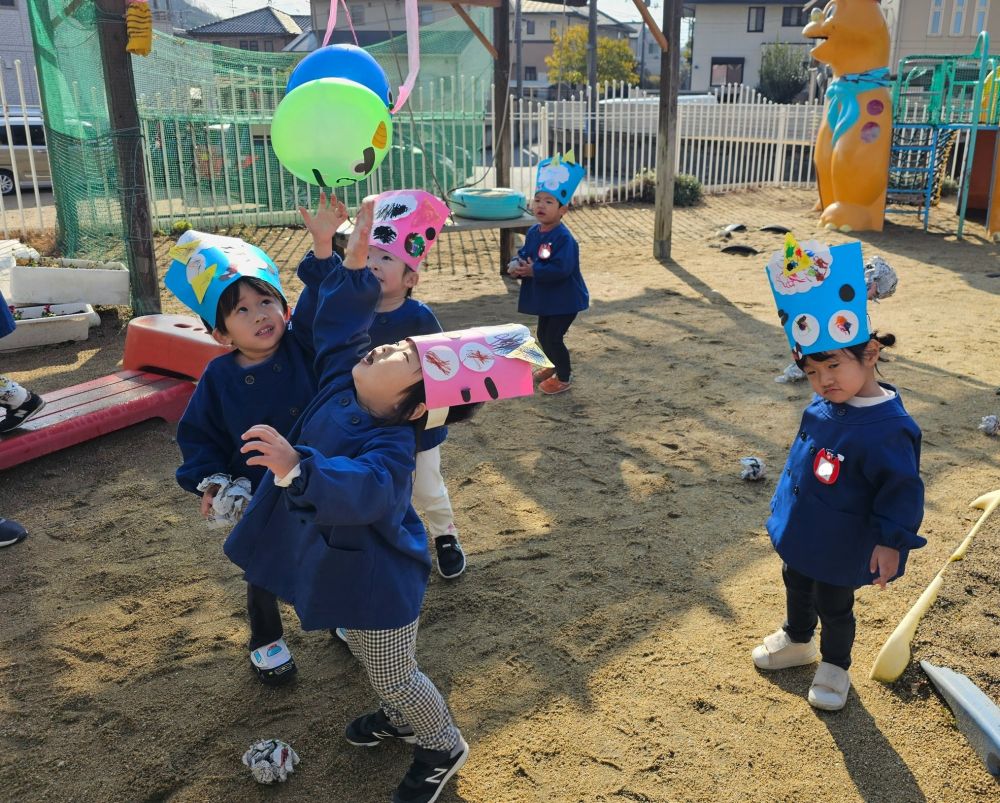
<point x="11" y="532"/>
<point x="429" y="772"/>
<point x="16" y="416"/>
<point x="451" y="558"/>
<point x="273" y="663"/>
<point x="372" y="729"/>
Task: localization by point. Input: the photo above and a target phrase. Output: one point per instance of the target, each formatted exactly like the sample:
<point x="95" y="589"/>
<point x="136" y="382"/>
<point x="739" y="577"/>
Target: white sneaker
<point x="273" y="663"/>
<point x="829" y="687"/>
<point x="779" y="652"/>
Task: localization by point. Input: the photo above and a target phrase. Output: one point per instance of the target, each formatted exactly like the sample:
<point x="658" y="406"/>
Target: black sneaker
<point x="16" y="416"/>
<point x="451" y="558"/>
<point x="11" y="532"/>
<point x="372" y="729"/>
<point x="429" y="772"/>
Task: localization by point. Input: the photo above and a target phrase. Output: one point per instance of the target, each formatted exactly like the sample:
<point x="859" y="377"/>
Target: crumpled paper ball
<point x="792" y="373"/>
<point x="880" y="276"/>
<point x="230" y="500"/>
<point x="990" y="424"/>
<point x="753" y="469"/>
<point x="271" y="760"/>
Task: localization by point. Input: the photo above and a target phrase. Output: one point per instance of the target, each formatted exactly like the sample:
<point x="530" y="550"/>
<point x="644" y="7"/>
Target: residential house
<point x="729" y="39"/>
<point x="647" y="52"/>
<point x="16" y="45"/>
<point x="939" y="26"/>
<point x="541" y="22"/>
<point x="373" y="22"/>
<point x="729" y="36"/>
<point x="266" y="30"/>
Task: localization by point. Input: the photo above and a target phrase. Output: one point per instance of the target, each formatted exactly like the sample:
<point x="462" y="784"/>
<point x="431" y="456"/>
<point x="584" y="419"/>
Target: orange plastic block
<point x="178" y="345"/>
<point x="77" y="414"/>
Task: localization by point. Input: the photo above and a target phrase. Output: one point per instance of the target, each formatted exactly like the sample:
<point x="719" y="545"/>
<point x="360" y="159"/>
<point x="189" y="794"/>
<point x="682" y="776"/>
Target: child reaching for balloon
<point x="267" y="377"/>
<point x="548" y="265"/>
<point x="397" y="246"/>
<point x="849" y="503"/>
<point x="331" y="529"/>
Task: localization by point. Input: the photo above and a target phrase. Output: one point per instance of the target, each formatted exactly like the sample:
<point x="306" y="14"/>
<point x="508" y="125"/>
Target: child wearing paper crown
<point x="406" y="224"/>
<point x="849" y="503"/>
<point x="267" y="378"/>
<point x="331" y="528"/>
<point x="548" y="265"/>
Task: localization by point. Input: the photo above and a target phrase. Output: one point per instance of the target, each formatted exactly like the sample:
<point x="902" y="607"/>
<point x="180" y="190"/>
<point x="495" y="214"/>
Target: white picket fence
<point x="209" y="160"/>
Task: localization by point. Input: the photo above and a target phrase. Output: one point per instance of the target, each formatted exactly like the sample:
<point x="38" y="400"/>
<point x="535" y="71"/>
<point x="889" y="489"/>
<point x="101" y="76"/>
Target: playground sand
<point x="598" y="647"/>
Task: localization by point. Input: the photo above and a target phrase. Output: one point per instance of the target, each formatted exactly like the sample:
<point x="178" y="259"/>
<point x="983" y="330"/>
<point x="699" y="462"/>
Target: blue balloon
<point x="342" y="61"/>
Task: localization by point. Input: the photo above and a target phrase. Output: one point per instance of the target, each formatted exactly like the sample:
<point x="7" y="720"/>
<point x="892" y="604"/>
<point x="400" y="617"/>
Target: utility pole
<point x="592" y="79"/>
<point x="517" y="47"/>
<point x="119" y="84"/>
<point x="501" y="117"/>
<point x="670" y="73"/>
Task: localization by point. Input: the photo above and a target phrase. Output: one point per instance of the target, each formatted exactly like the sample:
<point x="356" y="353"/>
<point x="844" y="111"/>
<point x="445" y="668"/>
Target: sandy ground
<point x="598" y="647"/>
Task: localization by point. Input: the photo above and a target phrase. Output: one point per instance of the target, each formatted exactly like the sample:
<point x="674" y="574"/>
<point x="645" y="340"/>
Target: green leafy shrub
<point x="782" y="73"/>
<point x="687" y="190"/>
<point x="179" y="227"/>
<point x="949" y="187"/>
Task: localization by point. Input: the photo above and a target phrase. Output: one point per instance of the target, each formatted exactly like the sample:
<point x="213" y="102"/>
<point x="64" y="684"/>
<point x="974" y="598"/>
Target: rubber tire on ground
<point x="500" y="203"/>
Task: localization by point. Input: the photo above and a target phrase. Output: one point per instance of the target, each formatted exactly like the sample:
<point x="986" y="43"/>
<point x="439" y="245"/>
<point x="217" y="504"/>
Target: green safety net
<point x="205" y="114"/>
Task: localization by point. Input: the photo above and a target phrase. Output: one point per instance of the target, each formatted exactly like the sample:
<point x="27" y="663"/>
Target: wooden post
<point x="670" y="75"/>
<point x="119" y="85"/>
<point x="501" y="117"/>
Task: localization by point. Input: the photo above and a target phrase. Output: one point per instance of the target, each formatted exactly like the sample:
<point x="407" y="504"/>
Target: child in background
<point x="18" y="403"/>
<point x="548" y="265"/>
<point x="849" y="503"/>
<point x="397" y="246"/>
<point x="331" y="528"/>
<point x="267" y="378"/>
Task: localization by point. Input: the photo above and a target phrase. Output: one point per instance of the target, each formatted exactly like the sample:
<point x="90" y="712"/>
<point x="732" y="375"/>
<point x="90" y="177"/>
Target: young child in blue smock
<point x="850" y="500"/>
<point x="267" y="377"/>
<point x="331" y="529"/>
<point x="548" y="265"/>
<point x="395" y="255"/>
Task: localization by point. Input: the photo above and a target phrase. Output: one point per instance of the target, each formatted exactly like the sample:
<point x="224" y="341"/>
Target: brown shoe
<point x="554" y="385"/>
<point x="541" y="374"/>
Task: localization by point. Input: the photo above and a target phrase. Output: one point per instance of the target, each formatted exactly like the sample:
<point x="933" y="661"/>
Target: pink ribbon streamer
<point x="412" y="45"/>
<point x="412" y="54"/>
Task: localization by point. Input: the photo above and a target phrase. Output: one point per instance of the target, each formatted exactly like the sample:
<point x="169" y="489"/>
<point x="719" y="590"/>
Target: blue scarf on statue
<point x="842" y="110"/>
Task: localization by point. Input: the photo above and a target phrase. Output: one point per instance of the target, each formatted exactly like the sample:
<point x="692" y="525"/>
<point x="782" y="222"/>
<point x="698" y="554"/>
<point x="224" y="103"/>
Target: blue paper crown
<point x="820" y="294"/>
<point x="559" y="176"/>
<point x="204" y="265"/>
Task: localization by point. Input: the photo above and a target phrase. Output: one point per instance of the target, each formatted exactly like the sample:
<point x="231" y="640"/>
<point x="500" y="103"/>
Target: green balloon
<point x="331" y="132"/>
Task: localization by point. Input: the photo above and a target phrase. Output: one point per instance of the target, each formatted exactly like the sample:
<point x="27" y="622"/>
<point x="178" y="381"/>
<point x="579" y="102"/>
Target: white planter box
<point x="71" y="322"/>
<point x="74" y="280"/>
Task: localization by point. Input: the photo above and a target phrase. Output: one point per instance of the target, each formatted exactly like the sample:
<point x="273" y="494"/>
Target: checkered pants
<point x="406" y="694"/>
<point x="12" y="395"/>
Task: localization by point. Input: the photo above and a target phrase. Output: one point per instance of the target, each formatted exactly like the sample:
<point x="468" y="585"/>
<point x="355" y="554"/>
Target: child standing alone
<point x="849" y="503"/>
<point x="548" y="265"/>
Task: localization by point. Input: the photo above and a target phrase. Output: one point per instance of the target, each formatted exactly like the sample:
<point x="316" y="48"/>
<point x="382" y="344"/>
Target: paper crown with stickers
<point x="406" y="224"/>
<point x="476" y="365"/>
<point x="559" y="176"/>
<point x="204" y="265"/>
<point x="820" y="294"/>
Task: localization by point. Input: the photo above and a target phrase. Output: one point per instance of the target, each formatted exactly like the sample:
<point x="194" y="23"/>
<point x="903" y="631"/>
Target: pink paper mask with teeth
<point x="478" y="365"/>
<point x="407" y="223"/>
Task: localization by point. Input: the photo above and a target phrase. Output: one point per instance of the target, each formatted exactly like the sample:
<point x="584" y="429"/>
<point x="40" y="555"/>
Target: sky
<point x="622" y="10"/>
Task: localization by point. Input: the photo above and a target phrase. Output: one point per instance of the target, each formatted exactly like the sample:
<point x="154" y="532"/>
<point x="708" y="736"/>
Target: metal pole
<point x="592" y="79"/>
<point x="517" y="48"/>
<point x="642" y="53"/>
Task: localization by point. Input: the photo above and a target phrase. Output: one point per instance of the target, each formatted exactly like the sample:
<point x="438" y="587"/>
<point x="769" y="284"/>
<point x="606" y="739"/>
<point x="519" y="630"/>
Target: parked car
<point x="20" y="148"/>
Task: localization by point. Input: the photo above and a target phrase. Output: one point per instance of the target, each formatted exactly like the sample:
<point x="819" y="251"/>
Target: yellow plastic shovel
<point x="895" y="653"/>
